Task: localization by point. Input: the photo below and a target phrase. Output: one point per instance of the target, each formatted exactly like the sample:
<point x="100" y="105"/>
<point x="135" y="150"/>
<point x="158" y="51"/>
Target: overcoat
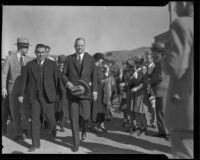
<point x="98" y="108"/>
<point x="179" y="64"/>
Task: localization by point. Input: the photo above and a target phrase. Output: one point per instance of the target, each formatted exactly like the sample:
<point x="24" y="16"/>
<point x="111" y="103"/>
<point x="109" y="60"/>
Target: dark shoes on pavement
<point x="103" y="129"/>
<point x="83" y="136"/>
<point x="18" y="138"/>
<point x="25" y="134"/>
<point x="165" y="136"/>
<point x="75" y="148"/>
<point x="34" y="148"/>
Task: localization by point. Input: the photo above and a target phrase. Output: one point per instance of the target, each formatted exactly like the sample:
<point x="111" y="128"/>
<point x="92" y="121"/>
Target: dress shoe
<point x="83" y="136"/>
<point x="75" y="148"/>
<point x="18" y="138"/>
<point x="25" y="134"/>
<point x="34" y="148"/>
<point x="132" y="130"/>
<point x="53" y="132"/>
<point x="103" y="129"/>
<point x="161" y="135"/>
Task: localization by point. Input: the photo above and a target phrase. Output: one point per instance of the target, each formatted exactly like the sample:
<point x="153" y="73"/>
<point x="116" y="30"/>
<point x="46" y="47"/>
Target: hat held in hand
<point x="80" y="89"/>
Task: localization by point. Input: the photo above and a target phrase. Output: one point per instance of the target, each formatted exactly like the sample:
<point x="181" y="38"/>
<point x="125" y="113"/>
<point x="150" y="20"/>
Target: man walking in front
<point x="11" y="84"/>
<point x="79" y="66"/>
<point x="39" y="82"/>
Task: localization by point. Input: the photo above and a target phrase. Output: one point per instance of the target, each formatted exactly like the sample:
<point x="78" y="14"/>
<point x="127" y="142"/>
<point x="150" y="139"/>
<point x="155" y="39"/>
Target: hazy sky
<point x="104" y="28"/>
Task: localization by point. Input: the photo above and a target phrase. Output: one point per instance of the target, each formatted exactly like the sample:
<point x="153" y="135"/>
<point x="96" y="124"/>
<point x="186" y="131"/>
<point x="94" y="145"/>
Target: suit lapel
<point x="45" y="66"/>
<point x="16" y="61"/>
<point x="77" y="65"/>
<point x="35" y="69"/>
<point x="84" y="63"/>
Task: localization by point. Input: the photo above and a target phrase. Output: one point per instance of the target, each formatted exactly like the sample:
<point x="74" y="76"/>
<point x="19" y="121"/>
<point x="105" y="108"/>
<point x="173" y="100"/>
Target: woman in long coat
<point x="98" y="109"/>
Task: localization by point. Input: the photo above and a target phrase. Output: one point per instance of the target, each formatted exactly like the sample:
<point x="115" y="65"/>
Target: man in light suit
<point x="11" y="74"/>
<point x="159" y="82"/>
<point x="79" y="66"/>
<point x="39" y="82"/>
<point x="178" y="63"/>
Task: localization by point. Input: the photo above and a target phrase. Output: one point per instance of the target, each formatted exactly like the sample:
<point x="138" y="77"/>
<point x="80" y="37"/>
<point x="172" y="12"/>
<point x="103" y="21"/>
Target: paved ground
<point x="116" y="141"/>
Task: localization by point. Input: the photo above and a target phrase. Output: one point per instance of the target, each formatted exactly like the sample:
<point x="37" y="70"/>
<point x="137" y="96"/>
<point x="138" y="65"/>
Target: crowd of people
<point x="80" y="89"/>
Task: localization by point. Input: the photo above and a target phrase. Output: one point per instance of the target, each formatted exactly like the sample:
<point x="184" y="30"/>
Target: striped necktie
<point x="21" y="60"/>
<point x="79" y="59"/>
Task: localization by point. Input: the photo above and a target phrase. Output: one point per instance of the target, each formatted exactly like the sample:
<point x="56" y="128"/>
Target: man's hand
<point x="4" y="92"/>
<point x="134" y="89"/>
<point x="122" y="84"/>
<point x="69" y="85"/>
<point x="21" y="99"/>
<point x="95" y="96"/>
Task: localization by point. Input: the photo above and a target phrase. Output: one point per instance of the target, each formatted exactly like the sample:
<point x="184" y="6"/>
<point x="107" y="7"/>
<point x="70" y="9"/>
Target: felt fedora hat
<point x="80" y="89"/>
<point x="22" y="41"/>
<point x="158" y="46"/>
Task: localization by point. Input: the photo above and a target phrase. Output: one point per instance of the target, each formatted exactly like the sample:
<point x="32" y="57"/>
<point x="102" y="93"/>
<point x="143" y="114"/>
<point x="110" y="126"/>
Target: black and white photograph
<point x="98" y="79"/>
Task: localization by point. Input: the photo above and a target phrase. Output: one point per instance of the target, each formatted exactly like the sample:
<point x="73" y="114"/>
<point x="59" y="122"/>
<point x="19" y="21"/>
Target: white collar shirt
<point x="41" y="62"/>
<point x="81" y="56"/>
<point x="19" y="56"/>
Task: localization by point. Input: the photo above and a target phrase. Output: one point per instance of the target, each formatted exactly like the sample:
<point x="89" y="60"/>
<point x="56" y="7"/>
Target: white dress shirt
<point x="19" y="56"/>
<point x="81" y="56"/>
<point x="41" y="62"/>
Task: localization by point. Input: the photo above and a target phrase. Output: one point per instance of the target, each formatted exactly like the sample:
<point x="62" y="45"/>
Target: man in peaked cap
<point x="11" y="74"/>
<point x="159" y="83"/>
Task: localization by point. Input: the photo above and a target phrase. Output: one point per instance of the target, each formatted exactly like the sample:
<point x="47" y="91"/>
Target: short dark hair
<point x="40" y="45"/>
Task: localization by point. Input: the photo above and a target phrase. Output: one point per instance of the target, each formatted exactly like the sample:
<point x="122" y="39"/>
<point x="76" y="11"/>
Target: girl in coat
<point x="138" y="88"/>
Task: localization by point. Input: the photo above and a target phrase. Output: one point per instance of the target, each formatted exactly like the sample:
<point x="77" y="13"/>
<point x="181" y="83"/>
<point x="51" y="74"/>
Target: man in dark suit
<point x="159" y="83"/>
<point x="79" y="66"/>
<point x="39" y="82"/>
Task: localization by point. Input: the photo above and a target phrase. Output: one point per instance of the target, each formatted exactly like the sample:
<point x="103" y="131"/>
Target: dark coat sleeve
<point x="181" y="43"/>
<point x="94" y="77"/>
<point x="157" y="75"/>
<point x="64" y="75"/>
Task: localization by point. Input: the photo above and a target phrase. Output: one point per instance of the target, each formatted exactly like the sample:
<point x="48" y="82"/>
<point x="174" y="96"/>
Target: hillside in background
<point x="119" y="56"/>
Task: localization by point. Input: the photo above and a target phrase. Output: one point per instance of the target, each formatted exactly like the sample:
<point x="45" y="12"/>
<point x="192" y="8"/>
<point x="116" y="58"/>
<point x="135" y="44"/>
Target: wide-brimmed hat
<point x="98" y="56"/>
<point x="158" y="46"/>
<point x="80" y="89"/>
<point x="22" y="41"/>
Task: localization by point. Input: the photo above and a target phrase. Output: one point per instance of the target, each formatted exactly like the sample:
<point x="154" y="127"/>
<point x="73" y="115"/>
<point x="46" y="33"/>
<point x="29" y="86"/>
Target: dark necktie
<point x="21" y="61"/>
<point x="79" y="59"/>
